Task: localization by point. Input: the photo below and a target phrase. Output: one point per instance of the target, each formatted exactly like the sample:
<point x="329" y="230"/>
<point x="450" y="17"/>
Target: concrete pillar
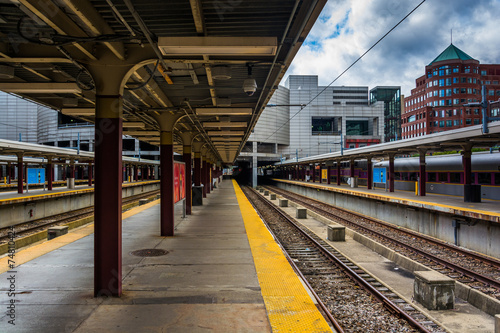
<point x="108" y="196"/>
<point x="48" y="173"/>
<point x="20" y="174"/>
<point x="391" y="172"/>
<point x="328" y="170"/>
<point x="369" y="174"/>
<point x="421" y="172"/>
<point x="338" y="173"/>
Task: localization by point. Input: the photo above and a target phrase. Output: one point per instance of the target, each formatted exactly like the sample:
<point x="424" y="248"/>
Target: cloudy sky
<point x="347" y="28"/>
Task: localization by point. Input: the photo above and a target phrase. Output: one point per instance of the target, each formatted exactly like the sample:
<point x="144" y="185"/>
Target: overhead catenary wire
<point x="345" y="71"/>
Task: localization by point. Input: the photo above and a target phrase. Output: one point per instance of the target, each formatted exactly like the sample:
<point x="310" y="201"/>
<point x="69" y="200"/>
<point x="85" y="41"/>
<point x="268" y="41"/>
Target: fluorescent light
<point x="233" y="133"/>
<point x="145" y="133"/>
<point x="78" y="111"/>
<point x="223" y="111"/>
<point x="133" y="124"/>
<point x="265" y="46"/>
<point x="224" y="124"/>
<point x="40" y="88"/>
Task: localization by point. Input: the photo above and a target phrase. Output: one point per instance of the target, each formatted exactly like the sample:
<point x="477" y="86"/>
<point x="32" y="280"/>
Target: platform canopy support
<point x="187" y="150"/>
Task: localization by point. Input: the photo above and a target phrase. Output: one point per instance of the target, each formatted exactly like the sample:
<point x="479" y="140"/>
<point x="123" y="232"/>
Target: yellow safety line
<point x="38" y="250"/>
<point x="289" y="306"/>
<point x="335" y="189"/>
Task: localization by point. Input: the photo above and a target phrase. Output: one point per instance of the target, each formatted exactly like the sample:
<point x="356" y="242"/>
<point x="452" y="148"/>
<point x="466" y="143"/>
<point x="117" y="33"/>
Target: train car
<point x="444" y="174"/>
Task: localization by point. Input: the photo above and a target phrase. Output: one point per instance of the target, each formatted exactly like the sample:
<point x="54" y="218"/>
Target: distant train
<point x="444" y="173"/>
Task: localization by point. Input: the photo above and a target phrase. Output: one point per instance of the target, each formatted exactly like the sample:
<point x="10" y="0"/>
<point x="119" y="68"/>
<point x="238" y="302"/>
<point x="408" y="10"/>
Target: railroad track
<point x="30" y="227"/>
<point x="473" y="269"/>
<point x="344" y="291"/>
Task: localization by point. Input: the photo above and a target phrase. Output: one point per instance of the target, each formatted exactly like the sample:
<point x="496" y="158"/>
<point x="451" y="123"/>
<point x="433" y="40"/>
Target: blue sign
<point x="379" y="175"/>
<point x="36" y="176"/>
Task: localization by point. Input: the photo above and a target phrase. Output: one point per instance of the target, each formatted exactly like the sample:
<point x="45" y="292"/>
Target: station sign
<point x="379" y="175"/>
<point x="36" y="176"/>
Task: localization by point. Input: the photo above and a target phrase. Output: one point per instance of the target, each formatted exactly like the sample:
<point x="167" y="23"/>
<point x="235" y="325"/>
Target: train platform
<point x="222" y="271"/>
<point x="10" y="197"/>
<point x="486" y="210"/>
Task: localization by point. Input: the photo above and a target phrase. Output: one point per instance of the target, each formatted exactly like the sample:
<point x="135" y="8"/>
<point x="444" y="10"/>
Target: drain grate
<point x="149" y="253"/>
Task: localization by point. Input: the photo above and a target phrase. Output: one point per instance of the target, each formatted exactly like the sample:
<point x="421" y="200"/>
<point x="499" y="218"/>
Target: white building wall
<point x="17" y="116"/>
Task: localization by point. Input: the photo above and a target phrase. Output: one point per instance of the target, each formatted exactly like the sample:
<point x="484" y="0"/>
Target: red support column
<point x="197" y="169"/>
<point x="369" y="174"/>
<point x="467" y="163"/>
<point x="313" y="169"/>
<point x="351" y="166"/>
<point x="328" y="170"/>
<point x="391" y="173"/>
<point x="422" y="173"/>
<point x="209" y="177"/>
<point x="108" y="197"/>
<point x="320" y="173"/>
<point x="167" y="183"/>
<point x="9" y="173"/>
<point x="186" y="157"/>
<point x="338" y="173"/>
<point x="136" y="176"/>
<point x="48" y="174"/>
<point x="90" y="173"/>
<point x="204" y="177"/>
<point x="20" y="174"/>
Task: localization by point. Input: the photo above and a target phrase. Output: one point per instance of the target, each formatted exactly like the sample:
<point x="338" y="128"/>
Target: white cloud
<point x="347" y="28"/>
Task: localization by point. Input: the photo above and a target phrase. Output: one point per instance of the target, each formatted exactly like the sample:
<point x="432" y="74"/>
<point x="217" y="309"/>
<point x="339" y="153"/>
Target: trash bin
<point x="472" y="193"/>
<point x="197" y="196"/>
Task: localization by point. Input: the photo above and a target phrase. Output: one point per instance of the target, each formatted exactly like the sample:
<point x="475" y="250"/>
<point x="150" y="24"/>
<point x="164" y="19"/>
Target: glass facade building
<point x="391" y="96"/>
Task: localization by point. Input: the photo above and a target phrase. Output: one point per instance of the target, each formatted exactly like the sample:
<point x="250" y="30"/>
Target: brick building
<point x="439" y="101"/>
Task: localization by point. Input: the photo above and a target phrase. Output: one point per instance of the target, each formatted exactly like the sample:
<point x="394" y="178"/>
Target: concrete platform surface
<point x="207" y="281"/>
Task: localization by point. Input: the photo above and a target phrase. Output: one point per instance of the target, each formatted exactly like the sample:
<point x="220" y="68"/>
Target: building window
<point x="357" y="127"/>
<point x="476" y="121"/>
<point x="455" y="70"/>
<point x="491" y="92"/>
<point x="441" y="123"/>
<point x="483" y="73"/>
<point x="448" y="123"/>
<point x="467" y="69"/>
<point x="468" y="121"/>
<point x="324" y="126"/>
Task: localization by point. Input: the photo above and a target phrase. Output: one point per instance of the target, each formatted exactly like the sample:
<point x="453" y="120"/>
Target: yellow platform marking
<point x="38" y="250"/>
<point x="289" y="306"/>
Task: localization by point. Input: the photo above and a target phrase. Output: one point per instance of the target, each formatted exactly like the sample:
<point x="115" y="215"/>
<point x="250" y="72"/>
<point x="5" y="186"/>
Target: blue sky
<point x="347" y="28"/>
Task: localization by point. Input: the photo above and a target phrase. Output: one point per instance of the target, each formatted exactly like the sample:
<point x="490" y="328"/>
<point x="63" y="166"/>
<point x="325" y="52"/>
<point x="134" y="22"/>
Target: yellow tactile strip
<point x="289" y="307"/>
<point x="38" y="250"/>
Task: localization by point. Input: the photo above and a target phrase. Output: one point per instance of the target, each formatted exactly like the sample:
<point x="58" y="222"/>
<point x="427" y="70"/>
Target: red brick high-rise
<point x="451" y="80"/>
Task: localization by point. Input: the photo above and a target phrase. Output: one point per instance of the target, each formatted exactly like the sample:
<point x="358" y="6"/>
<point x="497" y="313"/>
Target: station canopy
<point x="216" y="63"/>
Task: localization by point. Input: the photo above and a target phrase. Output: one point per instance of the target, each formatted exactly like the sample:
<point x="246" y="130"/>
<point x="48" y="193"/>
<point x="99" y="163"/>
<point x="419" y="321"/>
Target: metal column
<point x="108" y="197"/>
<point x="186" y="157"/>
<point x="167" y="183"/>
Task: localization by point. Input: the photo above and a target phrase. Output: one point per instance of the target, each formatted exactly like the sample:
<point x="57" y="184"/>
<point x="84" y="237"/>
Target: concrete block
<point x="261" y="190"/>
<point x="197" y="196"/>
<point x="301" y="213"/>
<point x="57" y="231"/>
<point x="70" y="182"/>
<point x="434" y="290"/>
<point x="283" y="202"/>
<point x="273" y="196"/>
<point x="266" y="192"/>
<point x="497" y="323"/>
<point x="143" y="202"/>
<point x="336" y="233"/>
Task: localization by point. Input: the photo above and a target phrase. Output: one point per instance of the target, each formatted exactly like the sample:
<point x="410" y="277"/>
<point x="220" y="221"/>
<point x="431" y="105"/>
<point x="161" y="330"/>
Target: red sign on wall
<point x="179" y="181"/>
